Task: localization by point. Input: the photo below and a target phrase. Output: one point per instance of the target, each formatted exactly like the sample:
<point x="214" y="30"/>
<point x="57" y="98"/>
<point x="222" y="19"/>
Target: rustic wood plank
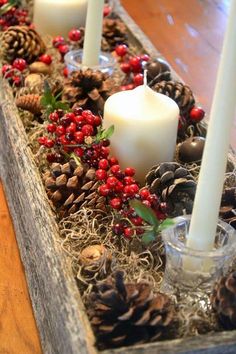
<point x="18" y="332"/>
<point x="60" y="315"/>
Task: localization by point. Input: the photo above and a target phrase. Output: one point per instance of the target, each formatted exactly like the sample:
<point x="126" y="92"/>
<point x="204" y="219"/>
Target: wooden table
<point x="189" y="34"/>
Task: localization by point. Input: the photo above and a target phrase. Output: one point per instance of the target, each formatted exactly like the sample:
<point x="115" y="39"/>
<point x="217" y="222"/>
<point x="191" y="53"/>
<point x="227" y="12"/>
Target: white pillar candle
<point x="146" y="125"/>
<point x="210" y="184"/>
<point x="58" y="17"/>
<point x="93" y="33"/>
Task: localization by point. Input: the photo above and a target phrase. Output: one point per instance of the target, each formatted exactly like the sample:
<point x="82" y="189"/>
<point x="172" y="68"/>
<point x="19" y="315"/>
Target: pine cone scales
<point x="224" y="300"/>
<point x="71" y="187"/>
<point x="114" y="32"/>
<point x="30" y="103"/>
<point x="174" y="184"/>
<point x="180" y="93"/>
<point x="22" y="42"/>
<point x="88" y="89"/>
<point x="125" y="314"/>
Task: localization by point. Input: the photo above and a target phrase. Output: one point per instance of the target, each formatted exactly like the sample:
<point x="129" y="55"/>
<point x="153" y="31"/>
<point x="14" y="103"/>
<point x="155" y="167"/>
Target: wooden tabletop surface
<point x="189" y="34"/>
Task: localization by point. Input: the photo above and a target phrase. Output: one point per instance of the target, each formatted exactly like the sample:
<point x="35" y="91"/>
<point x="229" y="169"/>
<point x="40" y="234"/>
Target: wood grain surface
<point x="189" y="33"/>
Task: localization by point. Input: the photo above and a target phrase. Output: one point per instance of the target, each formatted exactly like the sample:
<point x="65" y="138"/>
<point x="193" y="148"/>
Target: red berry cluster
<point x="132" y="66"/>
<point x="119" y="187"/>
<point x="13" y="73"/>
<point x="13" y="15"/>
<point x="75" y="132"/>
<point x="63" y="45"/>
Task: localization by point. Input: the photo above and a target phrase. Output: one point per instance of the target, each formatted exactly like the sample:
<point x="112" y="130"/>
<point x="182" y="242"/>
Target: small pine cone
<point x="223" y="300"/>
<point x="180" y="93"/>
<point x="173" y="184"/>
<point x="30" y="103"/>
<point x="228" y="206"/>
<point x="22" y="42"/>
<point x="128" y="313"/>
<point x="114" y="32"/>
<point x="71" y="187"/>
<point x="88" y="89"/>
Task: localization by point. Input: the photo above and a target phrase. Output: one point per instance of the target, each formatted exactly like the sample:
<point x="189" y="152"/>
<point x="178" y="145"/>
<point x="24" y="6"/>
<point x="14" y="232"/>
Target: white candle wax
<point x="145" y="128"/>
<point x="93" y="33"/>
<point x="210" y="184"/>
<point x="58" y="17"/>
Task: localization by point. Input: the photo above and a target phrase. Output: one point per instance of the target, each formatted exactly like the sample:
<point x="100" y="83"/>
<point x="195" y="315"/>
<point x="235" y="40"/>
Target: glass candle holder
<point x="73" y="61"/>
<point x="192" y="271"/>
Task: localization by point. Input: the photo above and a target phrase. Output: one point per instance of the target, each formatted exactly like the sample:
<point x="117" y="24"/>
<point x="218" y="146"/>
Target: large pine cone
<point x="21" y="42"/>
<point x="173" y="184"/>
<point x="88" y="89"/>
<point x="180" y="93"/>
<point x="224" y="300"/>
<point x="128" y="313"/>
<point x="228" y="206"/>
<point x="71" y="187"/>
<point x="114" y="32"/>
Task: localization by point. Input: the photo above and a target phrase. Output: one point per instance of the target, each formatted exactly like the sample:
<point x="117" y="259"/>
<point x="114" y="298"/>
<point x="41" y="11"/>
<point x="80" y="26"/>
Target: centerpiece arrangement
<point x="118" y="141"/>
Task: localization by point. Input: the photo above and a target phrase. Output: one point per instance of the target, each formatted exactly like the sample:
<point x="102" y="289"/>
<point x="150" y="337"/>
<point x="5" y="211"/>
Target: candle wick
<point x="145" y="77"/>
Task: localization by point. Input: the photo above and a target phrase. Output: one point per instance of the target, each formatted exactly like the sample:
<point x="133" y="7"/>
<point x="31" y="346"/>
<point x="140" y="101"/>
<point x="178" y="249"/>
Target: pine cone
<point x="127" y="313"/>
<point x="173" y="184"/>
<point x="88" y="89"/>
<point x="22" y="42"/>
<point x="30" y="103"/>
<point x="223" y="300"/>
<point x="180" y="93"/>
<point x="71" y="187"/>
<point x="228" y="206"/>
<point x="114" y="32"/>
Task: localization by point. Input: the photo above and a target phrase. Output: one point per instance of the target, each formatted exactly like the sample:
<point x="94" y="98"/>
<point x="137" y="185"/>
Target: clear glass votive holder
<point x="189" y="271"/>
<point x="73" y="61"/>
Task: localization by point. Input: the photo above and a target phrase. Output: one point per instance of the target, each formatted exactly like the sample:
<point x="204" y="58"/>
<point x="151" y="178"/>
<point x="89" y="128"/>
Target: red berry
<point x="144" y="193"/>
<point x="115" y="203"/>
<point x="103" y="164"/>
<point x="137" y="221"/>
<point x="145" y="57"/>
<point x="51" y="128"/>
<point x="104" y="190"/>
<point x="119" y="187"/>
<point x="125" y="67"/>
<point x="3" y="2"/>
<point x="131" y="189"/>
<point x="129" y="180"/>
<point x="74" y="34"/>
<point x="97" y="121"/>
<point x="138" y="79"/>
<point x="60" y="130"/>
<point x="101" y="174"/>
<point x="115" y="169"/>
<point x="112" y="182"/>
<point x="106" y="10"/>
<point x="196" y="114"/>
<point x="16" y="80"/>
<point x="129" y="171"/>
<point x="46" y="59"/>
<point x="7" y="70"/>
<point x="135" y="64"/>
<point x="71" y="128"/>
<point x="54" y="117"/>
<point x="59" y="40"/>
<point x="113" y="161"/>
<point x="121" y="50"/>
<point x="105" y="151"/>
<point x="63" y="48"/>
<point x="66" y="72"/>
<point x="42" y="140"/>
<point x="118" y="229"/>
<point x="87" y="130"/>
<point x="77" y="111"/>
<point x="128" y="232"/>
<point x="19" y="64"/>
<point x="147" y="203"/>
<point x="127" y="87"/>
<point x="49" y="143"/>
<point x="63" y="140"/>
<point x="51" y="157"/>
<point x="79" y="152"/>
<point x="79" y="137"/>
<point x="90" y="119"/>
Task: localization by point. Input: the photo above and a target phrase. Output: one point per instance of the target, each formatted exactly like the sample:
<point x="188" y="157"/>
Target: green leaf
<point x="165" y="224"/>
<point x="62" y="105"/>
<point x="148" y="237"/>
<point x="104" y="134"/>
<point x="5" y="8"/>
<point x="144" y="212"/>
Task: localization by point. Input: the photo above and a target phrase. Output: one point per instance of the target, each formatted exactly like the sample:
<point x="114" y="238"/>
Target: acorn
<point x="157" y="70"/>
<point x="40" y="68"/>
<point x="191" y="149"/>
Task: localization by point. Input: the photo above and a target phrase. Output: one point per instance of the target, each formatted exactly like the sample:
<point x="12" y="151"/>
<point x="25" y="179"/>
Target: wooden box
<point x="60" y="314"/>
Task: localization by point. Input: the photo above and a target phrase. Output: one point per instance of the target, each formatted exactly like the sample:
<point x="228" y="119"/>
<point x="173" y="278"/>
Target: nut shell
<point x="191" y="150"/>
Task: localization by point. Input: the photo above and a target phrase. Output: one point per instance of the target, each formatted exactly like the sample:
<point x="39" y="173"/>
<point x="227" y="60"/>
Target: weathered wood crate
<point x="61" y="318"/>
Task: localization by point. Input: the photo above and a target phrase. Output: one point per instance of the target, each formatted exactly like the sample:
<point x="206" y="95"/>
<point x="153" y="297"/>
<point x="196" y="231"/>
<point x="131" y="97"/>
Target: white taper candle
<point x="211" y="179"/>
<point x="93" y="33"/>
